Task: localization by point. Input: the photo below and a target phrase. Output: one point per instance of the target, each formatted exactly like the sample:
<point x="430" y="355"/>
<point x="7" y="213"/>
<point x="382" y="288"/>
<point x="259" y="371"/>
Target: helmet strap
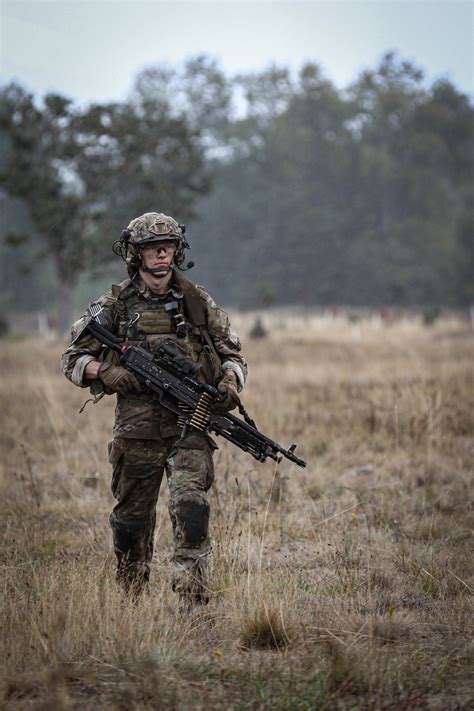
<point x="157" y="271"/>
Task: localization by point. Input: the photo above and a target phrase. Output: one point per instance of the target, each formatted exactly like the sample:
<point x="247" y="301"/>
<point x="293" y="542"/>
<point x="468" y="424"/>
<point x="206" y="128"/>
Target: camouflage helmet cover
<point x="154" y="227"/>
<point x="146" y="229"/>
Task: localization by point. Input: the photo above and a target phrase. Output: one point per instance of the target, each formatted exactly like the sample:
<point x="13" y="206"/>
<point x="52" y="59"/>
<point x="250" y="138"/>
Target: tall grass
<point x="345" y="585"/>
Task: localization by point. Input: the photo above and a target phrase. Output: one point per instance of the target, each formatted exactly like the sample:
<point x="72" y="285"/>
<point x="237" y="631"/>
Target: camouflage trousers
<point x="138" y="468"/>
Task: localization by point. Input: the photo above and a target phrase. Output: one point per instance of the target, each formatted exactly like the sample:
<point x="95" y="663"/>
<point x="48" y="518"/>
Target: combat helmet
<point x="146" y="229"/>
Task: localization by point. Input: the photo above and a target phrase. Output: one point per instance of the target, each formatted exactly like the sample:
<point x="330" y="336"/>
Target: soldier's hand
<point x="230" y="397"/>
<point x="118" y="379"/>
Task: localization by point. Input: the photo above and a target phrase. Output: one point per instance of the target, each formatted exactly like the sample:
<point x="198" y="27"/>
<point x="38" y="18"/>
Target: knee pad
<point x="192" y="517"/>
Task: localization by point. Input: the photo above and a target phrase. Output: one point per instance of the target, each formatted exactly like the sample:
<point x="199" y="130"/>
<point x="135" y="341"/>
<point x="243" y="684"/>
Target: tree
<point x="360" y="196"/>
<point x="279" y="204"/>
<point x="413" y="165"/>
<point x="198" y="91"/>
<point x="83" y="173"/>
<point x="40" y="146"/>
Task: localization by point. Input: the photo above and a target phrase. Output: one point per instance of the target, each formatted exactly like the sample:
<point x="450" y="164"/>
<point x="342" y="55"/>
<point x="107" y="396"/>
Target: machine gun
<point x="172" y="376"/>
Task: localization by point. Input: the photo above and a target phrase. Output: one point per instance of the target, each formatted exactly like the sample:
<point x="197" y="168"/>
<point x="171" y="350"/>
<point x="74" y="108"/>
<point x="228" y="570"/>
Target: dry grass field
<point x="347" y="585"/>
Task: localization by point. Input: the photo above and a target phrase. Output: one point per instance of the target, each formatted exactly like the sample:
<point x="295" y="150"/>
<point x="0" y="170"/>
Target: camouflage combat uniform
<point x="147" y="440"/>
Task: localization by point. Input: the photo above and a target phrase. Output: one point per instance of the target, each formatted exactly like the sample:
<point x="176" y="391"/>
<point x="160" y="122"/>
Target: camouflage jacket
<point x="210" y="340"/>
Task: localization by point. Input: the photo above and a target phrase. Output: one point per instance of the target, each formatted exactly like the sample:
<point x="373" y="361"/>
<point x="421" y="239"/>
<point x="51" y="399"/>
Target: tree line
<point x="294" y="191"/>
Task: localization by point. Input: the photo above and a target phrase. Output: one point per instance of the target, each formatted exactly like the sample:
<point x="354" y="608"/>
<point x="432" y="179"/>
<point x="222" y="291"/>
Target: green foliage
<point x="320" y="196"/>
<point x="84" y="173"/>
<point x="356" y="197"/>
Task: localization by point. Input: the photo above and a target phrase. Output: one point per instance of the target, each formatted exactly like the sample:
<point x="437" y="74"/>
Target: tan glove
<point x="228" y="388"/>
<point x="118" y="379"/>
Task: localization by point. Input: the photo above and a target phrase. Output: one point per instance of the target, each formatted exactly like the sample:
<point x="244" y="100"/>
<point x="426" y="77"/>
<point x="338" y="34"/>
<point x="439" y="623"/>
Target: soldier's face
<point x="158" y="255"/>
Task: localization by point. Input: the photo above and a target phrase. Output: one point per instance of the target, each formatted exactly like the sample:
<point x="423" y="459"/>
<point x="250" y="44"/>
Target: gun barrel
<point x="293" y="458"/>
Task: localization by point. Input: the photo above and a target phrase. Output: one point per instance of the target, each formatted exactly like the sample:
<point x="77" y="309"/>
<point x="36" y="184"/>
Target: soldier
<point x="147" y="440"/>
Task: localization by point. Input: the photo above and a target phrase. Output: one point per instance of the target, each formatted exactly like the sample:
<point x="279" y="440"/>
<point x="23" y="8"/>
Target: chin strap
<point x="157" y="271"/>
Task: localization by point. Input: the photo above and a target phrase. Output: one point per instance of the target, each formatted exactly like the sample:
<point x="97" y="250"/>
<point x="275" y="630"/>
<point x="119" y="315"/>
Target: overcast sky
<point x="91" y="50"/>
